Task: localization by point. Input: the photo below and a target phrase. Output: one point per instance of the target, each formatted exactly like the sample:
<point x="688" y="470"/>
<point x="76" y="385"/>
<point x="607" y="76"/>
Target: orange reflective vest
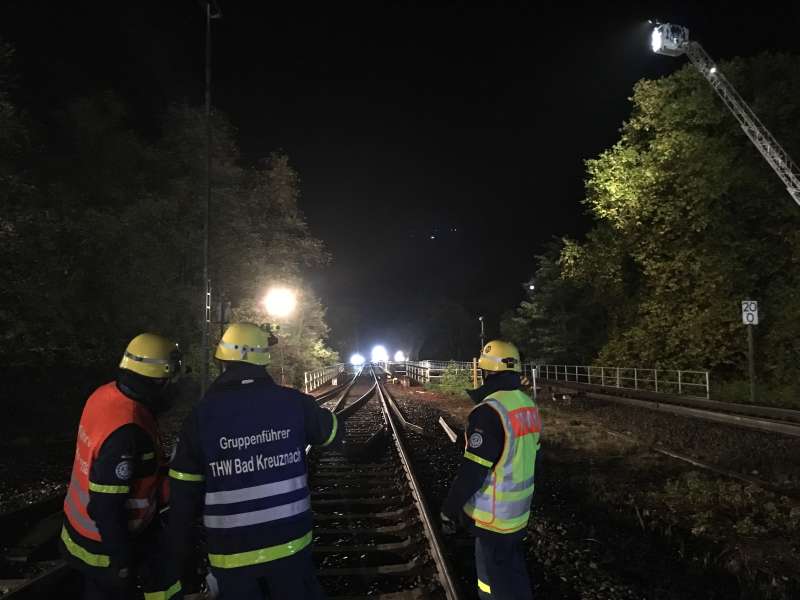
<point x="106" y="410"/>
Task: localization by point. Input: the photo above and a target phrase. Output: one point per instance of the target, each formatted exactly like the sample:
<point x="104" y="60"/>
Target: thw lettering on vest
<point x="254" y="461"/>
<point x="525" y="421"/>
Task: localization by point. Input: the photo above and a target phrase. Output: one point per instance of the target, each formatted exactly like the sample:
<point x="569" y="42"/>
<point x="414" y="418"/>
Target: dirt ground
<point x="614" y="519"/>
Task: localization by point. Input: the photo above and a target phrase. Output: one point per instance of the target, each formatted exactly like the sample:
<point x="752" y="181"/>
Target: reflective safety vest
<point x="106" y="410"/>
<point x="257" y="501"/>
<point x="503" y="503"/>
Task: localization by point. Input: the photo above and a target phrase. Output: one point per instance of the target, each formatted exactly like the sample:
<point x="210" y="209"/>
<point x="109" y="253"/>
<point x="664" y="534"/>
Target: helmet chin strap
<point x="156" y="394"/>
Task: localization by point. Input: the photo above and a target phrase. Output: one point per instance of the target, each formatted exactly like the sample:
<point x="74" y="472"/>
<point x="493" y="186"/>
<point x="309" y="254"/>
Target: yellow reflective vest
<point x="504" y="501"/>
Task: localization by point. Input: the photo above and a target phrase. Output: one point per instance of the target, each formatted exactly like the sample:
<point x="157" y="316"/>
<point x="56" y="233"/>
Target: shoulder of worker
<point x="486" y="421"/>
<point x="483" y="413"/>
<point x="126" y="451"/>
<point x="130" y="437"/>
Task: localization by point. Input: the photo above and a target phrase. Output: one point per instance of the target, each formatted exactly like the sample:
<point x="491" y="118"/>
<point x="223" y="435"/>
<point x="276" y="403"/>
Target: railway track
<point x="336" y="391"/>
<point x="374" y="536"/>
<point x="759" y="418"/>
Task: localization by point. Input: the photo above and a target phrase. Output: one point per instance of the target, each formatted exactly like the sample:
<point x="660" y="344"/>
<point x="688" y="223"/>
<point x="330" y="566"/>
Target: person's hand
<point x="124" y="578"/>
<point x="449" y="526"/>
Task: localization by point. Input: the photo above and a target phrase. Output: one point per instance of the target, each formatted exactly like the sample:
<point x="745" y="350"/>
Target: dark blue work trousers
<point x="500" y="563"/>
<point x="290" y="578"/>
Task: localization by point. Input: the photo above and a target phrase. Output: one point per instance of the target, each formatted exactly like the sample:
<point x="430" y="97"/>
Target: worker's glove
<point x="449" y="526"/>
<point x="211" y="587"/>
<point x="124" y="580"/>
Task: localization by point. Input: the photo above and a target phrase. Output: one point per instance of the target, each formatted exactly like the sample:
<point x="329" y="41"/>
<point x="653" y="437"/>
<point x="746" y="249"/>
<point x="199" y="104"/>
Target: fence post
<point x="603" y="376"/>
<point x="474" y="373"/>
<point x="617" y="376"/>
<point x="655" y="376"/>
<point x="635" y="379"/>
<point x="533" y="381"/>
<point x="679" y="382"/>
<point x="707" y="387"/>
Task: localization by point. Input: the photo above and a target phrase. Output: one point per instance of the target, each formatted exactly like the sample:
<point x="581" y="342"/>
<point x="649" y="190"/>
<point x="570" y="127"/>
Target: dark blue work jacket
<point x="241" y="460"/>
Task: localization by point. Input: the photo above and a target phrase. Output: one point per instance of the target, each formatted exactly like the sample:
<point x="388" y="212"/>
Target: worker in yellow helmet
<point x="110" y="528"/>
<point x="493" y="489"/>
<point x="241" y="460"/>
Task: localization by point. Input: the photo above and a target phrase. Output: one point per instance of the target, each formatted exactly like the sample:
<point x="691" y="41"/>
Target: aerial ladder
<point x="673" y="40"/>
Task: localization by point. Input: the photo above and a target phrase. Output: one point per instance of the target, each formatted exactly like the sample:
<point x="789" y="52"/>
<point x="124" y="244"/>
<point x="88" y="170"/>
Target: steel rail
<point x="41" y="586"/>
<point x="448" y="430"/>
<point x="752" y="410"/>
<point x="697" y="413"/>
<point x="340" y="401"/>
<point x="431" y="532"/>
<point x="343" y="387"/>
<point x="353" y="406"/>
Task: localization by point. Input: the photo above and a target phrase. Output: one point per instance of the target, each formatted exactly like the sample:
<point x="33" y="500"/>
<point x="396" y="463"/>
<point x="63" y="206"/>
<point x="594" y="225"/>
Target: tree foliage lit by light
<point x="689" y="220"/>
<point x="379" y="354"/>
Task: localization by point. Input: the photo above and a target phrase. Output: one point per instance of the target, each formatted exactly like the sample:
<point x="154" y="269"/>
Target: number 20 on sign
<point x="749" y="312"/>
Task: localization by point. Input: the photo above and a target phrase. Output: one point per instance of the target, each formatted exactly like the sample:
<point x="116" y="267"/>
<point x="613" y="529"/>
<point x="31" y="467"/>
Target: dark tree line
<point x="101" y="233"/>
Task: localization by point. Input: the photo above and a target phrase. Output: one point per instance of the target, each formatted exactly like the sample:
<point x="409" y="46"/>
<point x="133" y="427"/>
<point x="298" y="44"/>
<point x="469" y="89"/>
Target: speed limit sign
<point x="749" y="312"/>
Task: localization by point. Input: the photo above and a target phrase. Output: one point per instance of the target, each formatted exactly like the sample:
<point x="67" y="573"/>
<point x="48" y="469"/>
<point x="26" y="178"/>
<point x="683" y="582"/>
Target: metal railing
<point x="661" y="381"/>
<point x="314" y="379"/>
<point x="432" y="371"/>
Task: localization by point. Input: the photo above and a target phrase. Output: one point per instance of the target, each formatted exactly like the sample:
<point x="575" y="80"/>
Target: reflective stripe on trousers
<point x="258" y="516"/>
<point x="165" y="594"/>
<point x="137" y="503"/>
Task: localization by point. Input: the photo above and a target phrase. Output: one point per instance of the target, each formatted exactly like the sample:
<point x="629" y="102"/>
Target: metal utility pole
<point x="207" y="205"/>
<point x="483" y="343"/>
<point x="750" y="320"/>
<point x="751" y="363"/>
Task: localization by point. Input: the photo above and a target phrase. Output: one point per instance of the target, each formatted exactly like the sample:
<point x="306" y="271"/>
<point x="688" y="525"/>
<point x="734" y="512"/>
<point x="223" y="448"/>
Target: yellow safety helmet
<point x="244" y="342"/>
<point x="498" y="355"/>
<point x="152" y="355"/>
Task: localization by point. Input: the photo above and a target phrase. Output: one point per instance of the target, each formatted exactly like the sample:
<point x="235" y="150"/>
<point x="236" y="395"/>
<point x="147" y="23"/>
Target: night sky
<point x="439" y="147"/>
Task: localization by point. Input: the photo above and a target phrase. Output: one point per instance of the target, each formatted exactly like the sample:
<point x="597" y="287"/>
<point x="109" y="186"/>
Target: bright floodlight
<point x="531" y="287"/>
<point x="399" y="356"/>
<point x="656" y="39"/>
<point x="280" y="302"/>
<point x="379" y="354"/>
<point x="668" y="39"/>
<point x="356" y="360"/>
